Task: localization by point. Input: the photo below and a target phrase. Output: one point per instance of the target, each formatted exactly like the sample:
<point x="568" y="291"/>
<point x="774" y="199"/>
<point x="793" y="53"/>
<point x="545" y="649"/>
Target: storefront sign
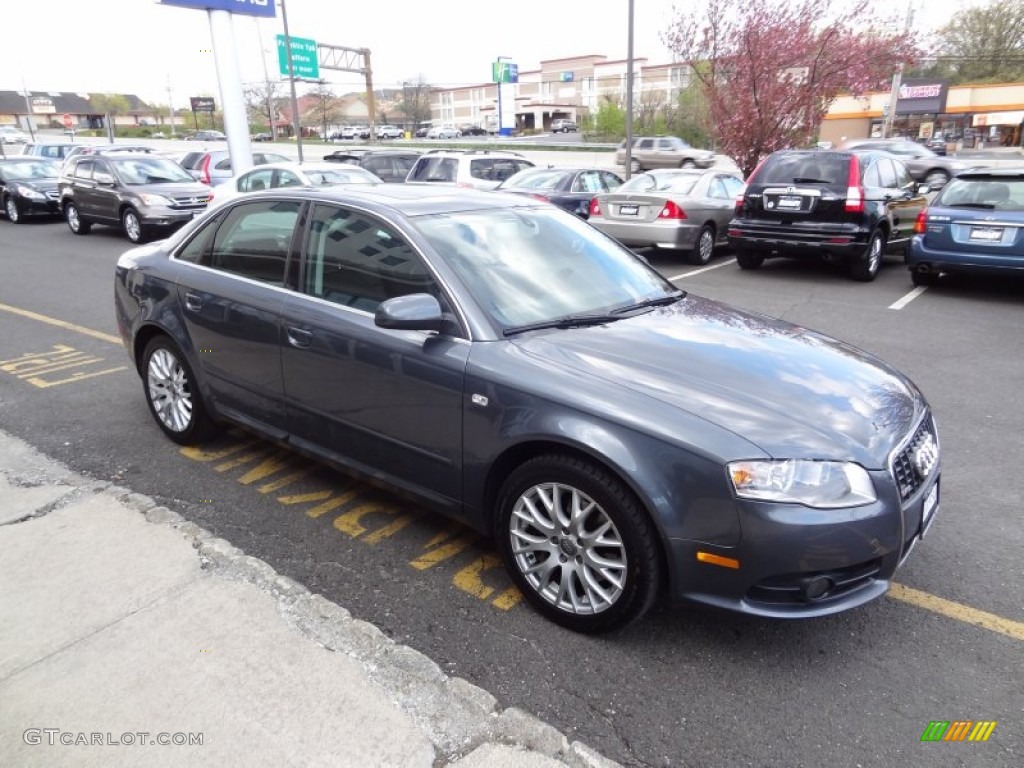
<point x="918" y="97"/>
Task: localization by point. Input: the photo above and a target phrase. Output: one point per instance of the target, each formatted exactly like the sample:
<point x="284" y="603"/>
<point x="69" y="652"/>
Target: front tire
<point x="866" y="268"/>
<point x="173" y="394"/>
<point x="75" y="222"/>
<point x="578" y="544"/>
<point x="132" y="226"/>
<point x="13" y="212"/>
<point x="704" y="248"/>
<point x="687" y="163"/>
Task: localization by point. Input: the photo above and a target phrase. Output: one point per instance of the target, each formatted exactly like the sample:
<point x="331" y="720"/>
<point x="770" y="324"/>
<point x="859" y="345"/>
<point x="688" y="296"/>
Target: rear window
<point x="825" y="168"/>
<point x="984" y="192"/>
<point x="434" y="169"/>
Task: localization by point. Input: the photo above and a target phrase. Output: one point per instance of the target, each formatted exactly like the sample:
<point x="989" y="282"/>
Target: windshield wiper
<point x="568" y="321"/>
<point x="659" y="301"/>
<point x="806" y="180"/>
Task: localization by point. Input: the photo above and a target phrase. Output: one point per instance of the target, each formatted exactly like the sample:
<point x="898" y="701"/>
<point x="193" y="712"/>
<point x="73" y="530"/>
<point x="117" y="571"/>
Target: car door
<point x="104" y="198"/>
<point x="386" y="402"/>
<point x="644" y="152"/>
<point x="721" y="200"/>
<point x="231" y="307"/>
<point x="906" y="204"/>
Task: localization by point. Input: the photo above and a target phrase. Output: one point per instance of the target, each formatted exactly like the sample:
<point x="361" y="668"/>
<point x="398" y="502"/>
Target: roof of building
<point x="13" y="103"/>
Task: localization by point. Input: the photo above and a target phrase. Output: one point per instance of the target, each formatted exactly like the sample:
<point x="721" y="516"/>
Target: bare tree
<point x="326" y="107"/>
<point x="261" y="101"/>
<point x="416" y="100"/>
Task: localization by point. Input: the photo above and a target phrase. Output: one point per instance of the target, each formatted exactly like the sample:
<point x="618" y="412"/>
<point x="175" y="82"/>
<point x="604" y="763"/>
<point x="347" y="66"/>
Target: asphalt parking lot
<point x="688" y="686"/>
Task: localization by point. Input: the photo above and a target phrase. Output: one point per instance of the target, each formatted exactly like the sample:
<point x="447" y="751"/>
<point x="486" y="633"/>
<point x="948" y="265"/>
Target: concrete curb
<point x="465" y="723"/>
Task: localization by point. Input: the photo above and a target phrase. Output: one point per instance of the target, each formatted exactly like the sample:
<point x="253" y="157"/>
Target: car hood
<point x="172" y="189"/>
<point x="792" y="392"/>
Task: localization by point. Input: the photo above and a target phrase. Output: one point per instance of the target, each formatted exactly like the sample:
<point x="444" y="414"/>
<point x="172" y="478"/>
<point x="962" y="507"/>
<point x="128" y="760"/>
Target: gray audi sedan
<point x="516" y="369"/>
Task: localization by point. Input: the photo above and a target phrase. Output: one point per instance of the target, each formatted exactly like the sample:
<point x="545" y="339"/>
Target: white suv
<point x="477" y="168"/>
<point x="11" y="135"/>
<point x="389" y="132"/>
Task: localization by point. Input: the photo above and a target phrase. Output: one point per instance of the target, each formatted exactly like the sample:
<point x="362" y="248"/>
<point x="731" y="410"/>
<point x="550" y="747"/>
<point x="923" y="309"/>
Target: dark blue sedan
<point x="568" y="188"/>
<point x="518" y="370"/>
<point x="975" y="224"/>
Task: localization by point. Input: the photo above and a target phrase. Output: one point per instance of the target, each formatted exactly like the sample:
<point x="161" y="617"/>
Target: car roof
<point x="990" y="173"/>
<point x="313" y="166"/>
<point x="410" y="200"/>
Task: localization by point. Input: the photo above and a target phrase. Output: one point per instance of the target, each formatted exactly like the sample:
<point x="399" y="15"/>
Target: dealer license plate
<point x="790" y="202"/>
<point x="629" y="210"/>
<point x="986" y="234"/>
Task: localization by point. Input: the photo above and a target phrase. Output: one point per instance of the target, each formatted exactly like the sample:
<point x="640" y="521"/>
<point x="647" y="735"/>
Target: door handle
<point x="299" y="337"/>
<point x="193" y="302"/>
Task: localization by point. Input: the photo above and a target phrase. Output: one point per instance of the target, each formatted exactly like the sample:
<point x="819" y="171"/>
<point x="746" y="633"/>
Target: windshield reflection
<point x="533" y="265"/>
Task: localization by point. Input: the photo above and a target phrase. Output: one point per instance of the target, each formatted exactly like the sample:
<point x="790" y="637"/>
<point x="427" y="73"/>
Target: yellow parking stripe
<point x="958" y="611"/>
<point x="61" y="324"/>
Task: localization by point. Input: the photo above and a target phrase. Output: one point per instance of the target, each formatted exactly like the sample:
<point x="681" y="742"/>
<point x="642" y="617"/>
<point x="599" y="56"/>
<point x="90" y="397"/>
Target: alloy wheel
<point x="12" y="210"/>
<point x="568" y="549"/>
<point x="169" y="390"/>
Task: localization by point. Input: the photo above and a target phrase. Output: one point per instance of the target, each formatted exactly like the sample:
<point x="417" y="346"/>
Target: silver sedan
<point x="686" y="210"/>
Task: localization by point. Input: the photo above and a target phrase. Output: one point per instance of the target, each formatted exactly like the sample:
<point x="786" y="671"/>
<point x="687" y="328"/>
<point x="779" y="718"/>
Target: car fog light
<point x="816" y="588"/>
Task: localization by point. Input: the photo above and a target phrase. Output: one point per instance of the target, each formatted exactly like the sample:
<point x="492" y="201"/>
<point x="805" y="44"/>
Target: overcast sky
<point x="139" y="46"/>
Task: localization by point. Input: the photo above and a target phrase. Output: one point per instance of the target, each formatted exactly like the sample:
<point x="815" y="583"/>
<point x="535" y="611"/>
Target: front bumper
<point x="48" y="206"/>
<point x="164" y="216"/>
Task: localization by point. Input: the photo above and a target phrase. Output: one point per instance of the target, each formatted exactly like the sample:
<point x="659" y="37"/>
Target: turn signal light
<point x="712" y="559"/>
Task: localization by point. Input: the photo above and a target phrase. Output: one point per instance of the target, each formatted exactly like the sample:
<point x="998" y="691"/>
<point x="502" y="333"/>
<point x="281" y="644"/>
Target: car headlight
<point x="154" y="200"/>
<point x="820" y="484"/>
<point x="30" y="193"/>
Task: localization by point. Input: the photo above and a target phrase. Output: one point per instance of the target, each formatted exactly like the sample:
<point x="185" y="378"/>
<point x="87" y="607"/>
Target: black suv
<point x="141" y="193"/>
<point x="847" y="206"/>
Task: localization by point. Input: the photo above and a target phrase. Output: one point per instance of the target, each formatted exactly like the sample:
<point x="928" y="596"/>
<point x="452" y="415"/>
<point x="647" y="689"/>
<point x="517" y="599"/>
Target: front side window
<point x="357" y="261"/>
<point x="254" y="239"/>
<point x="588" y="181"/>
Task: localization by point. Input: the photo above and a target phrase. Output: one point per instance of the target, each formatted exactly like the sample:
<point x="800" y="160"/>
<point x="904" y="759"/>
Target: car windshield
<point x="28" y="170"/>
<point x="992" y="192"/>
<point x="546" y="179"/>
<point x="534" y="265"/>
<point x="149" y="170"/>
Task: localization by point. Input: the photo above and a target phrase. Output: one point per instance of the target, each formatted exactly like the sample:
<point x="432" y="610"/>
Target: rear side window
<point x="254" y="239"/>
<point x="434" y="169"/>
<point x="826" y="168"/>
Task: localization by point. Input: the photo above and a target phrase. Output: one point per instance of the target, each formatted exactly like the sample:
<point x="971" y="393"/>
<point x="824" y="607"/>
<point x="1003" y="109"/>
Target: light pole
<point x="291" y="78"/>
<point x="629" y="92"/>
<point x="170" y="104"/>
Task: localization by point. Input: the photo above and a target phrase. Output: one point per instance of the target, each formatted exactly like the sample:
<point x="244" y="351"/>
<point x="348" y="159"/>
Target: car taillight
<point x="672" y="211"/>
<point x="536" y="196"/>
<point x="854" y="192"/>
<point x="204" y="170"/>
<point x="595" y="208"/>
<point x="740" y="198"/>
<point x="921" y="222"/>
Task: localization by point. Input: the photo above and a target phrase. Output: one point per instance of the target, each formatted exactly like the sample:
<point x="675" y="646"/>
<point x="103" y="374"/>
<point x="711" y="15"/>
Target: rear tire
<point x="704" y="248"/>
<point x="172" y="393"/>
<point x="865" y="269"/>
<point x="687" y="163"/>
<point x="749" y="260"/>
<point x="919" y="278"/>
<point x="578" y="543"/>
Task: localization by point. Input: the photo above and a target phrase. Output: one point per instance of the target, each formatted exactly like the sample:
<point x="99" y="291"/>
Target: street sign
<point x="67" y="120"/>
<point x="246" y="7"/>
<point x="203" y="104"/>
<point x="305" y="59"/>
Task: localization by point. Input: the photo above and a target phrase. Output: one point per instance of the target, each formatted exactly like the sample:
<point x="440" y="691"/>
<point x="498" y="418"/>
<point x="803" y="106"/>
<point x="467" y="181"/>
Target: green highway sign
<point x="305" y="60"/>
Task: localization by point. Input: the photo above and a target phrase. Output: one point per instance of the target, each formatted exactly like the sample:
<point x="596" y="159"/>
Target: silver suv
<point x="476" y="168"/>
<point x="214" y="167"/>
<point x="663" y="152"/>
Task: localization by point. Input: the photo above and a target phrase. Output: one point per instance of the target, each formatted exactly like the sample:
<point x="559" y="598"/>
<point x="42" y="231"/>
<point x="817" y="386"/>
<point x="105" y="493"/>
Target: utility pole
<point x="291" y="79"/>
<point x="28" y="109"/>
<point x="629" y="92"/>
<point x="170" y="104"/>
<point x="897" y="80"/>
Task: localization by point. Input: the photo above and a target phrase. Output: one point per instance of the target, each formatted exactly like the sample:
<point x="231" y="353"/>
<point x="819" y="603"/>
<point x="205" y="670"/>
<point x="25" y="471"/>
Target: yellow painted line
<point x="202" y="454"/>
<point x="287" y="480"/>
<point x="439" y="555"/>
<point x="302" y="498"/>
<point x="61" y="324"/>
<point x="281" y="460"/>
<point x="390" y="530"/>
<point x="508" y="599"/>
<point x="351" y="523"/>
<point x="332" y="504"/>
<point x="958" y="611"/>
<point x="469" y="578"/>
<point x="247" y="458"/>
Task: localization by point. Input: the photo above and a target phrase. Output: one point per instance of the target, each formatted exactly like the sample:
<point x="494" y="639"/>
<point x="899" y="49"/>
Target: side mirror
<point x="923" y="189"/>
<point x="415" y="312"/>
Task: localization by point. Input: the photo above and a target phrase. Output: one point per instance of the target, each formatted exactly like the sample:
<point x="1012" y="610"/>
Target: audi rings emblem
<point x="925" y="456"/>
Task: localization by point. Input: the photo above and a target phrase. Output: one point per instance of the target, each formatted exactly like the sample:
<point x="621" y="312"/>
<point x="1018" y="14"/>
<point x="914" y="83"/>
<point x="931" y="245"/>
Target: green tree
<point x="984" y="44"/>
<point x="610" y="120"/>
<point x="110" y="105"/>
